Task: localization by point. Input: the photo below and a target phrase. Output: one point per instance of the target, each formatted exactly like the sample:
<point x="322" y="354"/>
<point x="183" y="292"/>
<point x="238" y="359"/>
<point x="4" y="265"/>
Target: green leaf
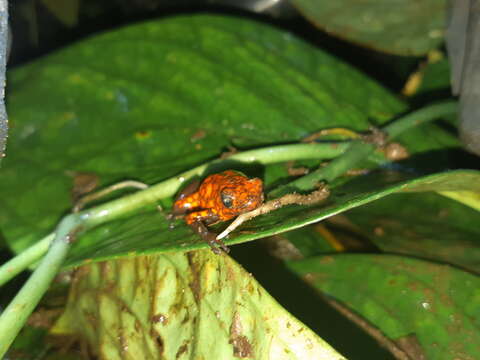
<point x="439" y="304"/>
<point x="183" y="305"/>
<point x="150" y="232"/>
<point x="400" y="27"/>
<point x="151" y="100"/>
<point x="446" y="231"/>
<point x="436" y="76"/>
<point x="96" y="109"/>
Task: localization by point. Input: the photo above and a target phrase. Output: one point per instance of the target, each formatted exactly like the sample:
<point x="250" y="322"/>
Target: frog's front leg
<point x="197" y="220"/>
<point x="210" y="237"/>
<point x="205" y="216"/>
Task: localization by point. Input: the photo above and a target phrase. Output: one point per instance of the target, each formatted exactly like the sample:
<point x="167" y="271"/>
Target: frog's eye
<point x="227" y="199"/>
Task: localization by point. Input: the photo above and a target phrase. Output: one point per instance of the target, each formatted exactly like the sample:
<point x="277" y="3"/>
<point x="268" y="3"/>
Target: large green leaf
<point x="438" y="304"/>
<point x="150" y="232"/>
<point x="185" y="305"/>
<point x="151" y="100"/>
<point x="400" y="27"/>
<point x="446" y="231"/>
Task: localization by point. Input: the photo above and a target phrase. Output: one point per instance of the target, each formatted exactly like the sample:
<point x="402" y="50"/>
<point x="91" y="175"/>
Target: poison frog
<point x="220" y="197"/>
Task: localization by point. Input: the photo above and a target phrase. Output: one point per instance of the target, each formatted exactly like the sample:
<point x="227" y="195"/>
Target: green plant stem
<point x="24" y="259"/>
<point x="419" y="117"/>
<point x="15" y="315"/>
<point x="169" y="187"/>
<point x="359" y="150"/>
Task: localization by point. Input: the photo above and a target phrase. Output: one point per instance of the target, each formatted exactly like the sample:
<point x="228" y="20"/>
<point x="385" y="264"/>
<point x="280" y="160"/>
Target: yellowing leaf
<point x="193" y="305"/>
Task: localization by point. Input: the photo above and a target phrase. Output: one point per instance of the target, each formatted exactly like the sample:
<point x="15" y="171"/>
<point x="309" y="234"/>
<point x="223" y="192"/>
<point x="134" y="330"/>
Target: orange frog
<point x="220" y="197"/>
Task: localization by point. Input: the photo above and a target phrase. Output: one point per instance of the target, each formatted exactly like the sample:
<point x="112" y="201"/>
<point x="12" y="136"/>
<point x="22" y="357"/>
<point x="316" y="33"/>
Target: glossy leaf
<point x="446" y="231"/>
<point x="150" y="232"/>
<point x="95" y="110"/>
<point x="151" y="100"/>
<point x="183" y="305"/>
<point x="398" y="27"/>
<point x="439" y="304"/>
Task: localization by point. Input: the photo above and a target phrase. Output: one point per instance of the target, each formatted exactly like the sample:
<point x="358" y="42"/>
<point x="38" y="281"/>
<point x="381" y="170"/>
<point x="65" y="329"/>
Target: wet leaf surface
<point x="403" y="296"/>
<point x="446" y="231"/>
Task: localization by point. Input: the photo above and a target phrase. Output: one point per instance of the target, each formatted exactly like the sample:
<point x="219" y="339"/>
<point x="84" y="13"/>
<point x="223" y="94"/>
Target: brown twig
<point x="288" y="199"/>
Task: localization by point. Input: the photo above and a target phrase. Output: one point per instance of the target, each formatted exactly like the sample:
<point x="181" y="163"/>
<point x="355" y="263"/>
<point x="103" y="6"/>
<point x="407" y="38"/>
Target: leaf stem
<point x="24" y="259"/>
<point x="359" y="150"/>
<point x="15" y="315"/>
<point x="421" y="116"/>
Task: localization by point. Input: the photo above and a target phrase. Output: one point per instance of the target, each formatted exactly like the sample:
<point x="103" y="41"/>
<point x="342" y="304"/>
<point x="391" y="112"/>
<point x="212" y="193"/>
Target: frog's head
<point x="244" y="196"/>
